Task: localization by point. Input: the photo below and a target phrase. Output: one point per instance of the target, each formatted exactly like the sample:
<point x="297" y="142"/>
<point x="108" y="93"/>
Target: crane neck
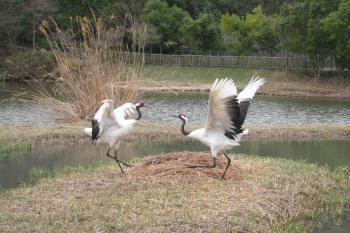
<point x="183" y="131"/>
<point x="139" y="112"/>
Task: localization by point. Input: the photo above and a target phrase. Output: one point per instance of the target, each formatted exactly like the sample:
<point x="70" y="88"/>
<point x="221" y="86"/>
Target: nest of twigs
<point x="176" y="164"/>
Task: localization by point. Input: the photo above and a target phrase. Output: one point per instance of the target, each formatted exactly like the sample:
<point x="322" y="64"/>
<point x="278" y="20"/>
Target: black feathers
<point x="95" y="130"/>
<point x="233" y="110"/>
<point x="243" y="105"/>
<point x="237" y="112"/>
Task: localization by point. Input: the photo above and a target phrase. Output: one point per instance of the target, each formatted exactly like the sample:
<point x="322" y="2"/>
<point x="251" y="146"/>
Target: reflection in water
<point x="15" y="168"/>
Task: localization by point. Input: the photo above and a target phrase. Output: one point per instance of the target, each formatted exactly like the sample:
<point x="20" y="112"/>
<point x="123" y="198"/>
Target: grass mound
<point x="160" y="195"/>
<point x="176" y="164"/>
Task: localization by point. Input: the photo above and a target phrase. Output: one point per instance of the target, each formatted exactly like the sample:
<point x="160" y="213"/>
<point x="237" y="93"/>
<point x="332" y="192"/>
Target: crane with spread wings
<point x="226" y="114"/>
<point x="110" y="125"/>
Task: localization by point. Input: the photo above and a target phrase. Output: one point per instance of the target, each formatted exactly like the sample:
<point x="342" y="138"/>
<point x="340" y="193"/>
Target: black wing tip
<point x="95" y="131"/>
<point x="233" y="110"/>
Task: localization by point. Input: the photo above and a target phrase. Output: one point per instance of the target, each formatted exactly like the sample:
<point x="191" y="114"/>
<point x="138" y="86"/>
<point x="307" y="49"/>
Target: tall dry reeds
<point x="94" y="63"/>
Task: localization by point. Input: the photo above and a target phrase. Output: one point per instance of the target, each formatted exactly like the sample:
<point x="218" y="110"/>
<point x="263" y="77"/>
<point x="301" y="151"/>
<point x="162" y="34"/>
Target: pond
<point x="16" y="166"/>
<point x="160" y="106"/>
<point x="270" y="110"/>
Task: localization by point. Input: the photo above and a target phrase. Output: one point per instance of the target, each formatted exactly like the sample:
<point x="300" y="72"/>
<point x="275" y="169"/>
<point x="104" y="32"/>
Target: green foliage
<point x="337" y="24"/>
<point x="317" y="28"/>
<point x="6" y="148"/>
<point x="68" y="9"/>
<point x="84" y="7"/>
<point x="167" y="21"/>
<point x="203" y="33"/>
<point x="231" y="24"/>
<point x="255" y="33"/>
<point x="17" y="22"/>
<point x="219" y="7"/>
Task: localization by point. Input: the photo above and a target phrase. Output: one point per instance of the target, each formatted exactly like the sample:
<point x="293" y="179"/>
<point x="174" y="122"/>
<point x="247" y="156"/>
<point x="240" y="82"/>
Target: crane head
<point x="182" y="116"/>
<point x="139" y="105"/>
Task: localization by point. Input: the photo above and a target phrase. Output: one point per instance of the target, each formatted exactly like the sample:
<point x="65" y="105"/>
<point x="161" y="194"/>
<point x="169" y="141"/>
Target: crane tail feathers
<point x="95" y="131"/>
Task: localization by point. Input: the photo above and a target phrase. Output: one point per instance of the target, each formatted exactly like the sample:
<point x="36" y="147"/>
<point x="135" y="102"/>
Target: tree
<point x="17" y="23"/>
<point x="301" y="31"/>
<point x="67" y="9"/>
<point x="204" y="32"/>
<point x="84" y="7"/>
<point x="261" y="31"/>
<point x="167" y="21"/>
<point x="337" y="24"/>
<point x="255" y="33"/>
<point x="219" y="7"/>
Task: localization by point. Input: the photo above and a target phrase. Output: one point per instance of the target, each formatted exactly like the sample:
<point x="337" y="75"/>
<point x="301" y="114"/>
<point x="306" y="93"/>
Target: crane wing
<point x="223" y="107"/>
<point x="247" y="94"/>
<point x="124" y="112"/>
<point x="101" y="119"/>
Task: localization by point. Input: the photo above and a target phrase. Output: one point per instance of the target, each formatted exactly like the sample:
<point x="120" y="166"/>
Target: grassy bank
<point x="161" y="195"/>
<point x="278" y="82"/>
<point x="73" y="132"/>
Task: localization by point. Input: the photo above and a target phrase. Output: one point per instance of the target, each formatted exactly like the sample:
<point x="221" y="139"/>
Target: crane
<point x="109" y="126"/>
<point x="226" y="114"/>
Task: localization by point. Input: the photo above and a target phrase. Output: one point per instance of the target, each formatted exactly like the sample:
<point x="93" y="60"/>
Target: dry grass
<point x="161" y="195"/>
<point x="175" y="164"/>
<point x="93" y="63"/>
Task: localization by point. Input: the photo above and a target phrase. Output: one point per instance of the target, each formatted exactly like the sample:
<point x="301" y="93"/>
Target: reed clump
<point x="94" y="63"/>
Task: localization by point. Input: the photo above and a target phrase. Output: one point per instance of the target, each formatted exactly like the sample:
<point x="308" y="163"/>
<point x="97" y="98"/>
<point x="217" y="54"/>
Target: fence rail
<point x="280" y="63"/>
<point x="256" y="62"/>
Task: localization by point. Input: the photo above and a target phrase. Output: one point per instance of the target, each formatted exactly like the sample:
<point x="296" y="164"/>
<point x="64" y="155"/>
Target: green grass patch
<point x="260" y="195"/>
<point x="39" y="173"/>
<point x="186" y="75"/>
<point x="6" y="148"/>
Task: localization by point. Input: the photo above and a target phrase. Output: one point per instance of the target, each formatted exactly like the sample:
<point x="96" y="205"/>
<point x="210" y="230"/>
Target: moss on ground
<point x="162" y="195"/>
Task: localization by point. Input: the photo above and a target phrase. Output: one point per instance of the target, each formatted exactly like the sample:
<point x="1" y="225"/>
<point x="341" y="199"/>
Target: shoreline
<point x="206" y="89"/>
<point x="73" y="132"/>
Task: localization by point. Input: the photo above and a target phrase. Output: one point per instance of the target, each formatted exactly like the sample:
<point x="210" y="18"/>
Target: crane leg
<point x="228" y="164"/>
<point x="110" y="156"/>
<point x="207" y="166"/>
<point x="116" y="159"/>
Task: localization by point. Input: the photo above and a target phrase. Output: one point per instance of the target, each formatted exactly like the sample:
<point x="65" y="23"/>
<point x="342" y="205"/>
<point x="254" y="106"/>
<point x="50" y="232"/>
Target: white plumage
<point x="226" y="114"/>
<point x="109" y="126"/>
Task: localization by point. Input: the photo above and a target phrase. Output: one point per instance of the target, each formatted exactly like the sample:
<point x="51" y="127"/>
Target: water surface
<point x="160" y="107"/>
<point x="267" y="110"/>
<point x="16" y="166"/>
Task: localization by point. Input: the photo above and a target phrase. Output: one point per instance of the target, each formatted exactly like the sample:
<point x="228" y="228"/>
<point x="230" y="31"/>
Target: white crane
<point x="226" y="114"/>
<point x="109" y="126"/>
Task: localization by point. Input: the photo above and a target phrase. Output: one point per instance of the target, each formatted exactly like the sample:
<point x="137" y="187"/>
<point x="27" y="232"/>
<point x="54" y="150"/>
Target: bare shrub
<point x="94" y="63"/>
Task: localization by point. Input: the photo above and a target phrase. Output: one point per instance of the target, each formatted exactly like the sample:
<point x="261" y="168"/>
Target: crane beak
<point x="174" y="115"/>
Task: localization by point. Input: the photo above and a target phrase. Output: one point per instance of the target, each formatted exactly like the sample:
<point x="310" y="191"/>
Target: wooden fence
<point x="278" y="63"/>
<point x="255" y="62"/>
